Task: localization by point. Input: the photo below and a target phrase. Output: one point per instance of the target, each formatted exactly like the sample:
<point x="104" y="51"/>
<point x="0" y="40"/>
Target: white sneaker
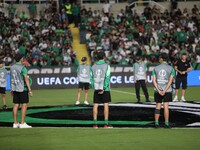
<point x="77" y="103"/>
<point x="86" y="103"/>
<point x="175" y="99"/>
<point x="24" y="125"/>
<point x="183" y="99"/>
<point x="15" y="125"/>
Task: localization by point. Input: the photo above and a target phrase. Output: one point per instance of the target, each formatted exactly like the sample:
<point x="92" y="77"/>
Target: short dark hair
<point x="164" y="56"/>
<point x="138" y="57"/>
<point x="100" y="55"/>
<point x="84" y="59"/>
<point x="18" y="57"/>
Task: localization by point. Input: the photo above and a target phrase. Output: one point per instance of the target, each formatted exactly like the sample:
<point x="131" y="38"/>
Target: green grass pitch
<point x="97" y="139"/>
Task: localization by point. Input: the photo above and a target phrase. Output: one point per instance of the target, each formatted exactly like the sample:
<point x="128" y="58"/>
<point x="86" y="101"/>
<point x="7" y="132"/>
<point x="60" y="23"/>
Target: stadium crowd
<point x="129" y="34"/>
<point x="44" y="39"/>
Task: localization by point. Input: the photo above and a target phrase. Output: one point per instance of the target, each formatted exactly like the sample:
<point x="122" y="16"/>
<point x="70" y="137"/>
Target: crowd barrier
<point x="66" y="77"/>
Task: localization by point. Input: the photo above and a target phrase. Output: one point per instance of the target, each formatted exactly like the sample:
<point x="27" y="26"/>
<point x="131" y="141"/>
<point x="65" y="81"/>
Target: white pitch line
<point x="118" y="91"/>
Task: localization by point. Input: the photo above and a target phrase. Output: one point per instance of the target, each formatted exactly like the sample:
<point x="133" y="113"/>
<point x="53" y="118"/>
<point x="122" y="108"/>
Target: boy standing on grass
<point x="140" y="78"/>
<point x="163" y="76"/>
<point x="83" y="74"/>
<point x="3" y="83"/>
<point x="20" y="90"/>
<point x="100" y="79"/>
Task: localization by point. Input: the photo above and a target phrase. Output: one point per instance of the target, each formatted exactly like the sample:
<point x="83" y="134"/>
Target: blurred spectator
<point x="174" y="4"/>
<point x="106" y="7"/>
<point x="105" y="43"/>
<point x="11" y="10"/>
<point x="23" y="15"/>
<point x="63" y="17"/>
<point x="123" y="61"/>
<point x="164" y="50"/>
<point x="32" y="9"/>
<point x="68" y="8"/>
<point x="75" y="12"/>
<point x="128" y="11"/>
<point x="7" y="60"/>
<point x="195" y="10"/>
<point x="197" y="48"/>
<point x="92" y="45"/>
<point x="67" y="59"/>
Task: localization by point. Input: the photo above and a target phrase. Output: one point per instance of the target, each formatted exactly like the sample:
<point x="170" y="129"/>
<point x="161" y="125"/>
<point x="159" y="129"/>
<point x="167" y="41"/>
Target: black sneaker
<point x="138" y="102"/>
<point x="4" y="107"/>
<point x="167" y="126"/>
<point x="157" y="126"/>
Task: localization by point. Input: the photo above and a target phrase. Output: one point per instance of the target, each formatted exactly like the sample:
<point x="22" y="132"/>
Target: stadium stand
<point x="129" y="33"/>
<point x="46" y="39"/>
